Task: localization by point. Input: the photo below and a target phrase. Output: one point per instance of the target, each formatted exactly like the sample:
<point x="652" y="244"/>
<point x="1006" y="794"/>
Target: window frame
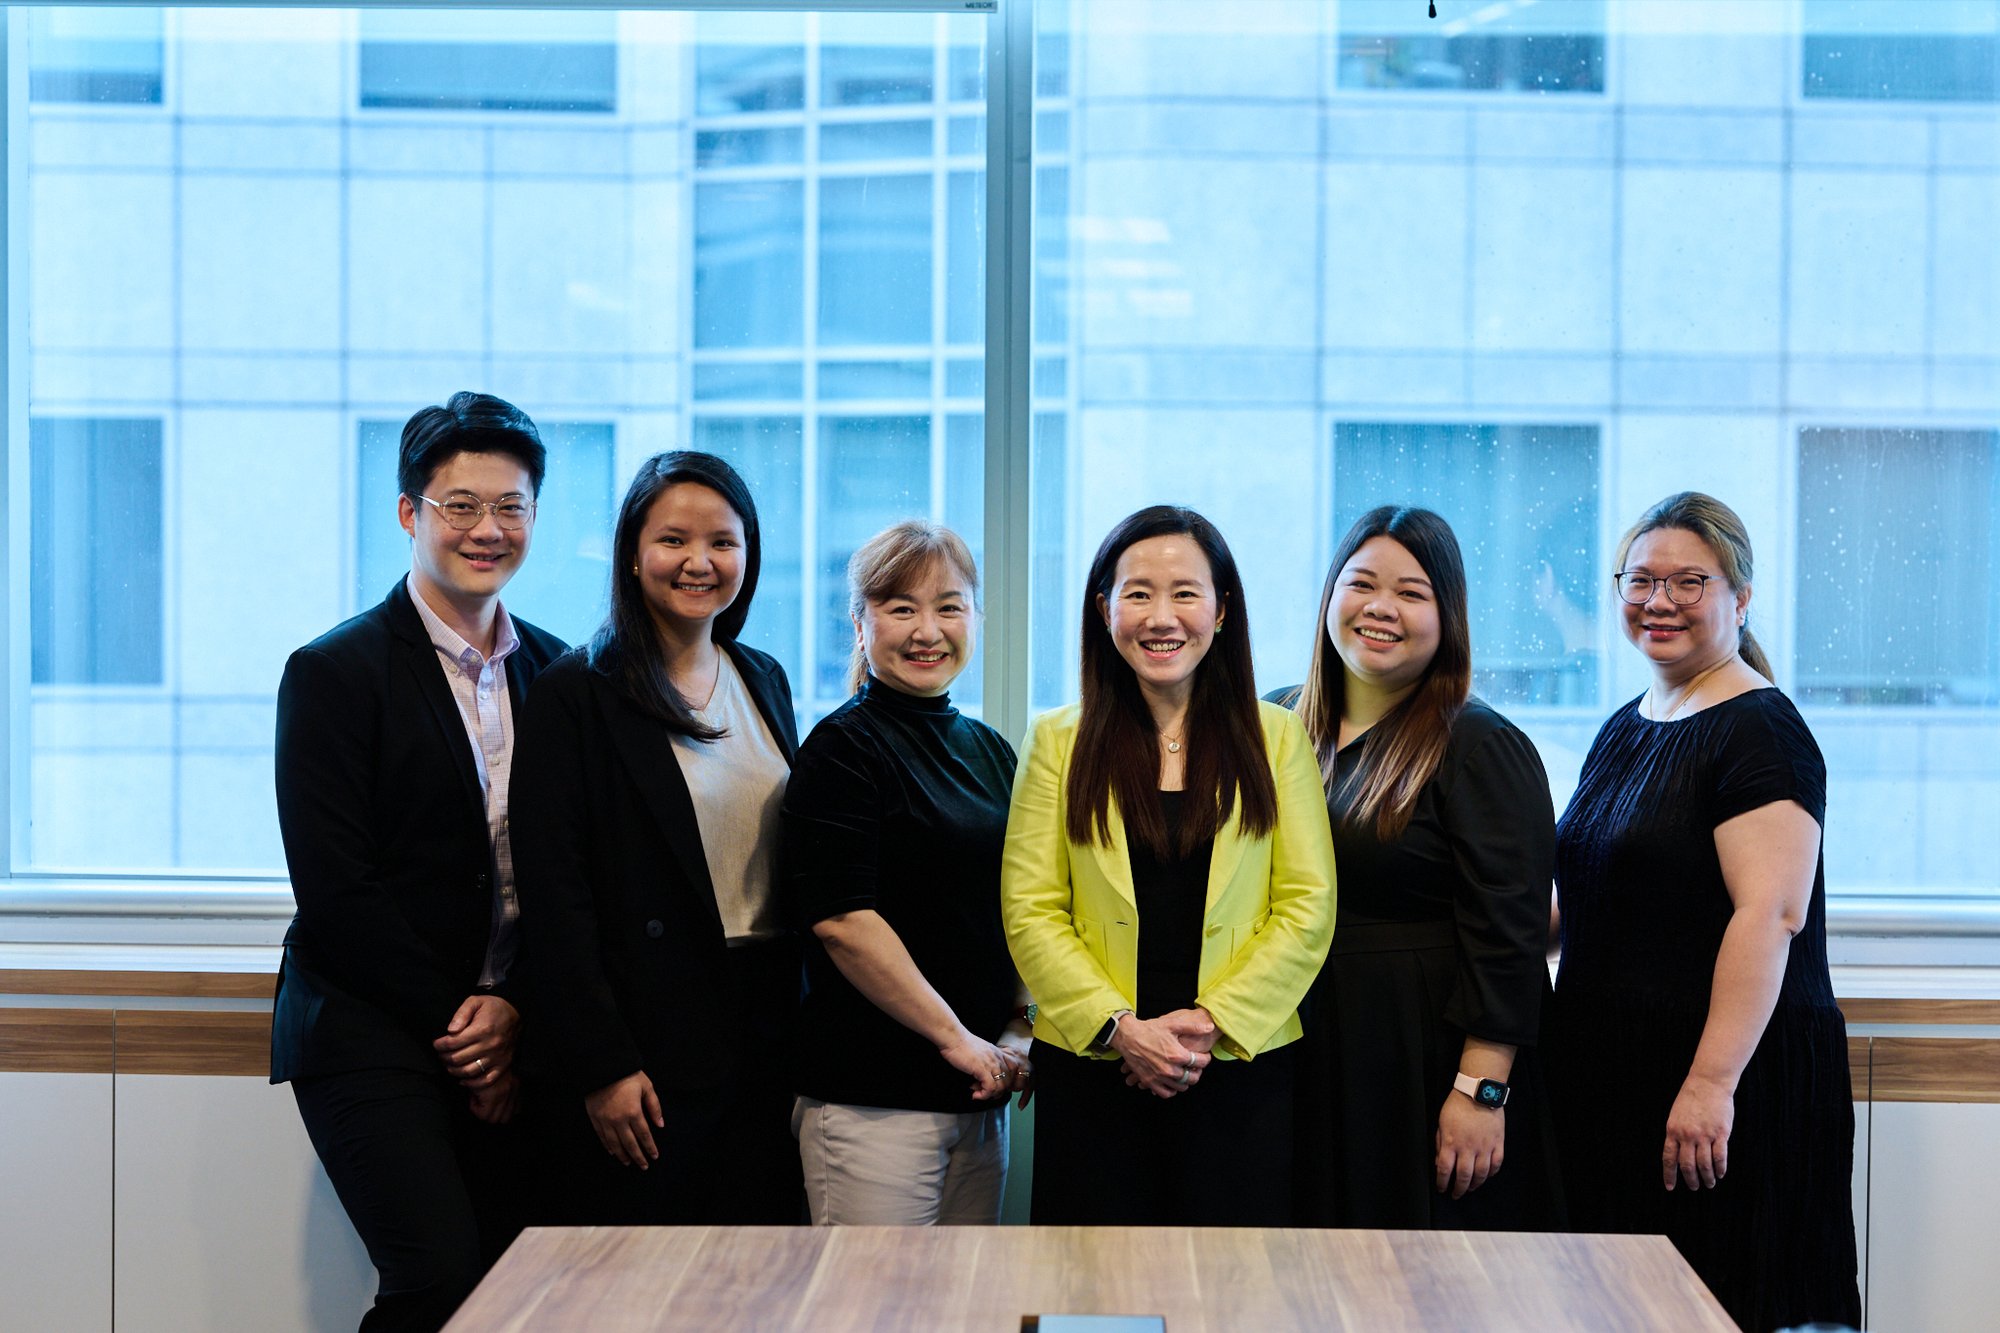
<point x="231" y="920"/>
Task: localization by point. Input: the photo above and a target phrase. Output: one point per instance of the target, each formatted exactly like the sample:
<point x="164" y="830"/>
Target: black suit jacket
<point x="622" y="955"/>
<point x="385" y="834"/>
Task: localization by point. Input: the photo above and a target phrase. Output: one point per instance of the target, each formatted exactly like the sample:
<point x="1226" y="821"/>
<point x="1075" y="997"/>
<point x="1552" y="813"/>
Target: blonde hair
<point x="891" y="562"/>
<point x="1719" y="528"/>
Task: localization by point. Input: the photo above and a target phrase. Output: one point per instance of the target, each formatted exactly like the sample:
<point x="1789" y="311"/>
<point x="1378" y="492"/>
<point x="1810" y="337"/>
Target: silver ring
<point x="480" y="1064"/>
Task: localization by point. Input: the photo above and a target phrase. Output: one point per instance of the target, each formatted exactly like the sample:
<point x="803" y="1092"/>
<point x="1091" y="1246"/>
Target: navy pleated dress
<point x="1644" y="908"/>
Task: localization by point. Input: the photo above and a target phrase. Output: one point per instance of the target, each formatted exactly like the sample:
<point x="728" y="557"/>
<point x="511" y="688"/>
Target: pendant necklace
<point x="1173" y="743"/>
<point x="1693" y="685"/>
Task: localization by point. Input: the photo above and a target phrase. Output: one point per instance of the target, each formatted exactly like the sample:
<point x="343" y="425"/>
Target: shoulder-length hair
<point x="1723" y="533"/>
<point x="1117" y="752"/>
<point x="1402" y="750"/>
<point x="891" y="562"/>
<point x="626" y="646"/>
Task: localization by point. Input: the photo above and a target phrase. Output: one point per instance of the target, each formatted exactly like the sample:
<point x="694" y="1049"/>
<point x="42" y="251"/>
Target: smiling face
<point x="466" y="570"/>
<point x="1682" y="641"/>
<point x="1162" y="613"/>
<point x="919" y="638"/>
<point x="690" y="558"/>
<point x="1383" y="617"/>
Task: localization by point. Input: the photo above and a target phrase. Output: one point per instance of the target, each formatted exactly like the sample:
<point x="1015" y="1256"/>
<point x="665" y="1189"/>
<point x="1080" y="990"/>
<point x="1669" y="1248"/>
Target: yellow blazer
<point x="1073" y="922"/>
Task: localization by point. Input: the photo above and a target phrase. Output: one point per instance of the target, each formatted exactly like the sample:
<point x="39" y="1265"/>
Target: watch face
<point x="1491" y="1093"/>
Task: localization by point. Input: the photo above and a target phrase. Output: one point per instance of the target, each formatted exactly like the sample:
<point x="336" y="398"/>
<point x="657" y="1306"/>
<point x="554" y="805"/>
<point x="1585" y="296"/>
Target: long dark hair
<point x="626" y="646"/>
<point x="1723" y="533"/>
<point x="1403" y="749"/>
<point x="1117" y="752"/>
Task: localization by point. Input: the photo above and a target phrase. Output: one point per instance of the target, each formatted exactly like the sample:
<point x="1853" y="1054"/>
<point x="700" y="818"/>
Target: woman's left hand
<point x="1697" y="1144"/>
<point x="1471" y="1144"/>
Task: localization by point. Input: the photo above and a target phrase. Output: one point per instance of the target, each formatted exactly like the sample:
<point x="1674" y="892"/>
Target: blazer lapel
<point x="646" y="748"/>
<point x="421" y="660"/>
<point x="1222" y="862"/>
<point x="774" y="704"/>
<point x="1114" y="860"/>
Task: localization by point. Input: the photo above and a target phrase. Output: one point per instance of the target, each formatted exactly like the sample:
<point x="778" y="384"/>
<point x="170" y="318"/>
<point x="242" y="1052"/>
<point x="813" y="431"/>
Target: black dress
<point x="898" y="805"/>
<point x="1441" y="933"/>
<point x="1643" y="912"/>
<point x="1219" y="1154"/>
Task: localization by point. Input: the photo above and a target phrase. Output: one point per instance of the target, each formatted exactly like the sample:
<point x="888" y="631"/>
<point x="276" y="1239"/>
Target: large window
<point x="1535" y="265"/>
<point x="757" y="233"/>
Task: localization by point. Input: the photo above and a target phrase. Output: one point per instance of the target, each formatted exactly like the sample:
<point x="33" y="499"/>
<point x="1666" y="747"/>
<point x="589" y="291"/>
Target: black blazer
<point x="385" y="834"/>
<point x="622" y="956"/>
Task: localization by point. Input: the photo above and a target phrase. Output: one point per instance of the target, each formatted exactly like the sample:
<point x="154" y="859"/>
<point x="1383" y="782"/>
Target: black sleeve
<point x="568" y="1002"/>
<point x="326" y="766"/>
<point x="833" y="824"/>
<point x="1768" y="755"/>
<point x="1501" y="826"/>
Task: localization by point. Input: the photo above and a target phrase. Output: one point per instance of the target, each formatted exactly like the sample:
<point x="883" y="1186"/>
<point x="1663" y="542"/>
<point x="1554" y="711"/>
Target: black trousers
<point x="434" y="1192"/>
<point x="727" y="1155"/>
<point x="1219" y="1154"/>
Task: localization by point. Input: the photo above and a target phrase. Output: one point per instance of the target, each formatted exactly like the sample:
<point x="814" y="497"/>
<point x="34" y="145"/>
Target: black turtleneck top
<point x="898" y="804"/>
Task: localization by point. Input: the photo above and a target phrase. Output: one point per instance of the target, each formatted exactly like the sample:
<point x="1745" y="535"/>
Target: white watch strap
<point x="1467" y="1084"/>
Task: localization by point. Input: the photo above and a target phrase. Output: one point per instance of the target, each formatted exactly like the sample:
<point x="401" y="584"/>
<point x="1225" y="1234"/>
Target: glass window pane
<point x="749" y="62"/>
<point x="95" y="55"/>
<point x="874" y="139"/>
<point x="95" y="552"/>
<point x="440" y="61"/>
<point x="748" y="148"/>
<point x="1899" y="544"/>
<point x="749" y="263"/>
<point x="1556" y="46"/>
<point x="875" y="60"/>
<point x="875" y="259"/>
<point x="1902" y="50"/>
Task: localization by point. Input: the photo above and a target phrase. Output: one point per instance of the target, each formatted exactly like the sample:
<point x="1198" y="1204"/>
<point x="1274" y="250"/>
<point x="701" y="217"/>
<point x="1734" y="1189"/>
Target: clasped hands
<point x="1165" y="1055"/>
<point x="477" y="1049"/>
<point x="997" y="1068"/>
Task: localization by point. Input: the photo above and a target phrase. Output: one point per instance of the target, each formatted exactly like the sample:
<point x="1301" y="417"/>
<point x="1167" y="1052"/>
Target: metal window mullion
<point x="1010" y="111"/>
<point x="14" y="554"/>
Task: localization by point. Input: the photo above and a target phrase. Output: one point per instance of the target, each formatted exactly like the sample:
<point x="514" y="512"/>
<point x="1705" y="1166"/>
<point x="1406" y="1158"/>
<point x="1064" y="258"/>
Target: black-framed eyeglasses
<point x="1683" y="589"/>
<point x="463" y="511"/>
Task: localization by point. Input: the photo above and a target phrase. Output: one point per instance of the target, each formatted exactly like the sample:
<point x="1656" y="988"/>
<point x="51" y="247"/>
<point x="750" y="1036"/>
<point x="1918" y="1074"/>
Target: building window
<point x="436" y="60"/>
<point x="1899" y="567"/>
<point x="1553" y="47"/>
<point x="95" y="550"/>
<point x="1902" y="50"/>
<point x="101" y="56"/>
<point x="1523" y="501"/>
<point x="564" y="585"/>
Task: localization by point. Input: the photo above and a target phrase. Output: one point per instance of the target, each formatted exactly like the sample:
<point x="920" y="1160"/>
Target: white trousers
<point x="870" y="1166"/>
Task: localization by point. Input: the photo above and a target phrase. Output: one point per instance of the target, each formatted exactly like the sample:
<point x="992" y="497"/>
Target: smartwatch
<point x="1488" y="1092"/>
<point x="1102" y="1041"/>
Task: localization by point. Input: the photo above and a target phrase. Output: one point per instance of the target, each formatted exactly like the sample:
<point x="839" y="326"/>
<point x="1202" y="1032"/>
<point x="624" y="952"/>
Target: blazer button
<point x="655" y="929"/>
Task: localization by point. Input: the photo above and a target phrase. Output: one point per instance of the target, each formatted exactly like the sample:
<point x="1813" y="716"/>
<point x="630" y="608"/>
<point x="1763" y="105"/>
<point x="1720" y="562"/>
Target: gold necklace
<point x="1692" y="686"/>
<point x="1173" y="742"/>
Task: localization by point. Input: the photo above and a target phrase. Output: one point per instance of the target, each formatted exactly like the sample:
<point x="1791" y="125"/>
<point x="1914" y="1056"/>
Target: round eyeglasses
<point x="464" y="511"/>
<point x="1682" y="589"/>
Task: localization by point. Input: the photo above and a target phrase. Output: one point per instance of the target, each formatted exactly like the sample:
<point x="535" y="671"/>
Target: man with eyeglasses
<point x="393" y="1021"/>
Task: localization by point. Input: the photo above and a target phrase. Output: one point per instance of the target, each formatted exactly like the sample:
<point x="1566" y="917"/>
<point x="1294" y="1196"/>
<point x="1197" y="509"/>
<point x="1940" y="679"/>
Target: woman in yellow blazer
<point x="1171" y="794"/>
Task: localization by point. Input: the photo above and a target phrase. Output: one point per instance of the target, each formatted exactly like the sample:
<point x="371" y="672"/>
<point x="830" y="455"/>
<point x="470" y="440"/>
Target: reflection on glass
<point x="103" y="56"/>
<point x="437" y="60"/>
<point x="1555" y="46"/>
<point x="874" y="60"/>
<point x="770" y="453"/>
<point x="1902" y="50"/>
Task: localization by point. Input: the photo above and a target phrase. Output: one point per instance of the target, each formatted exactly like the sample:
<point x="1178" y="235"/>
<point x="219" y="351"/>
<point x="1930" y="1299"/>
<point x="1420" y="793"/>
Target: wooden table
<point x="610" y="1279"/>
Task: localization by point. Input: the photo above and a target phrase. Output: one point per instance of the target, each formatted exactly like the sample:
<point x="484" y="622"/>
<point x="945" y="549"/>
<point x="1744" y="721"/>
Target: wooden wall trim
<point x="55" y="1041"/>
<point x="193" y="1041"/>
<point x="1933" y="1069"/>
<point x="190" y="985"/>
<point x="1951" y="1013"/>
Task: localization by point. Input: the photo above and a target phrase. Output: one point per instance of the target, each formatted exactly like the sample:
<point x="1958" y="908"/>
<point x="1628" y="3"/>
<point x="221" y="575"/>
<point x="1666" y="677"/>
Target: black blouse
<point x="1479" y="854"/>
<point x="898" y="804"/>
<point x="1171" y="893"/>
